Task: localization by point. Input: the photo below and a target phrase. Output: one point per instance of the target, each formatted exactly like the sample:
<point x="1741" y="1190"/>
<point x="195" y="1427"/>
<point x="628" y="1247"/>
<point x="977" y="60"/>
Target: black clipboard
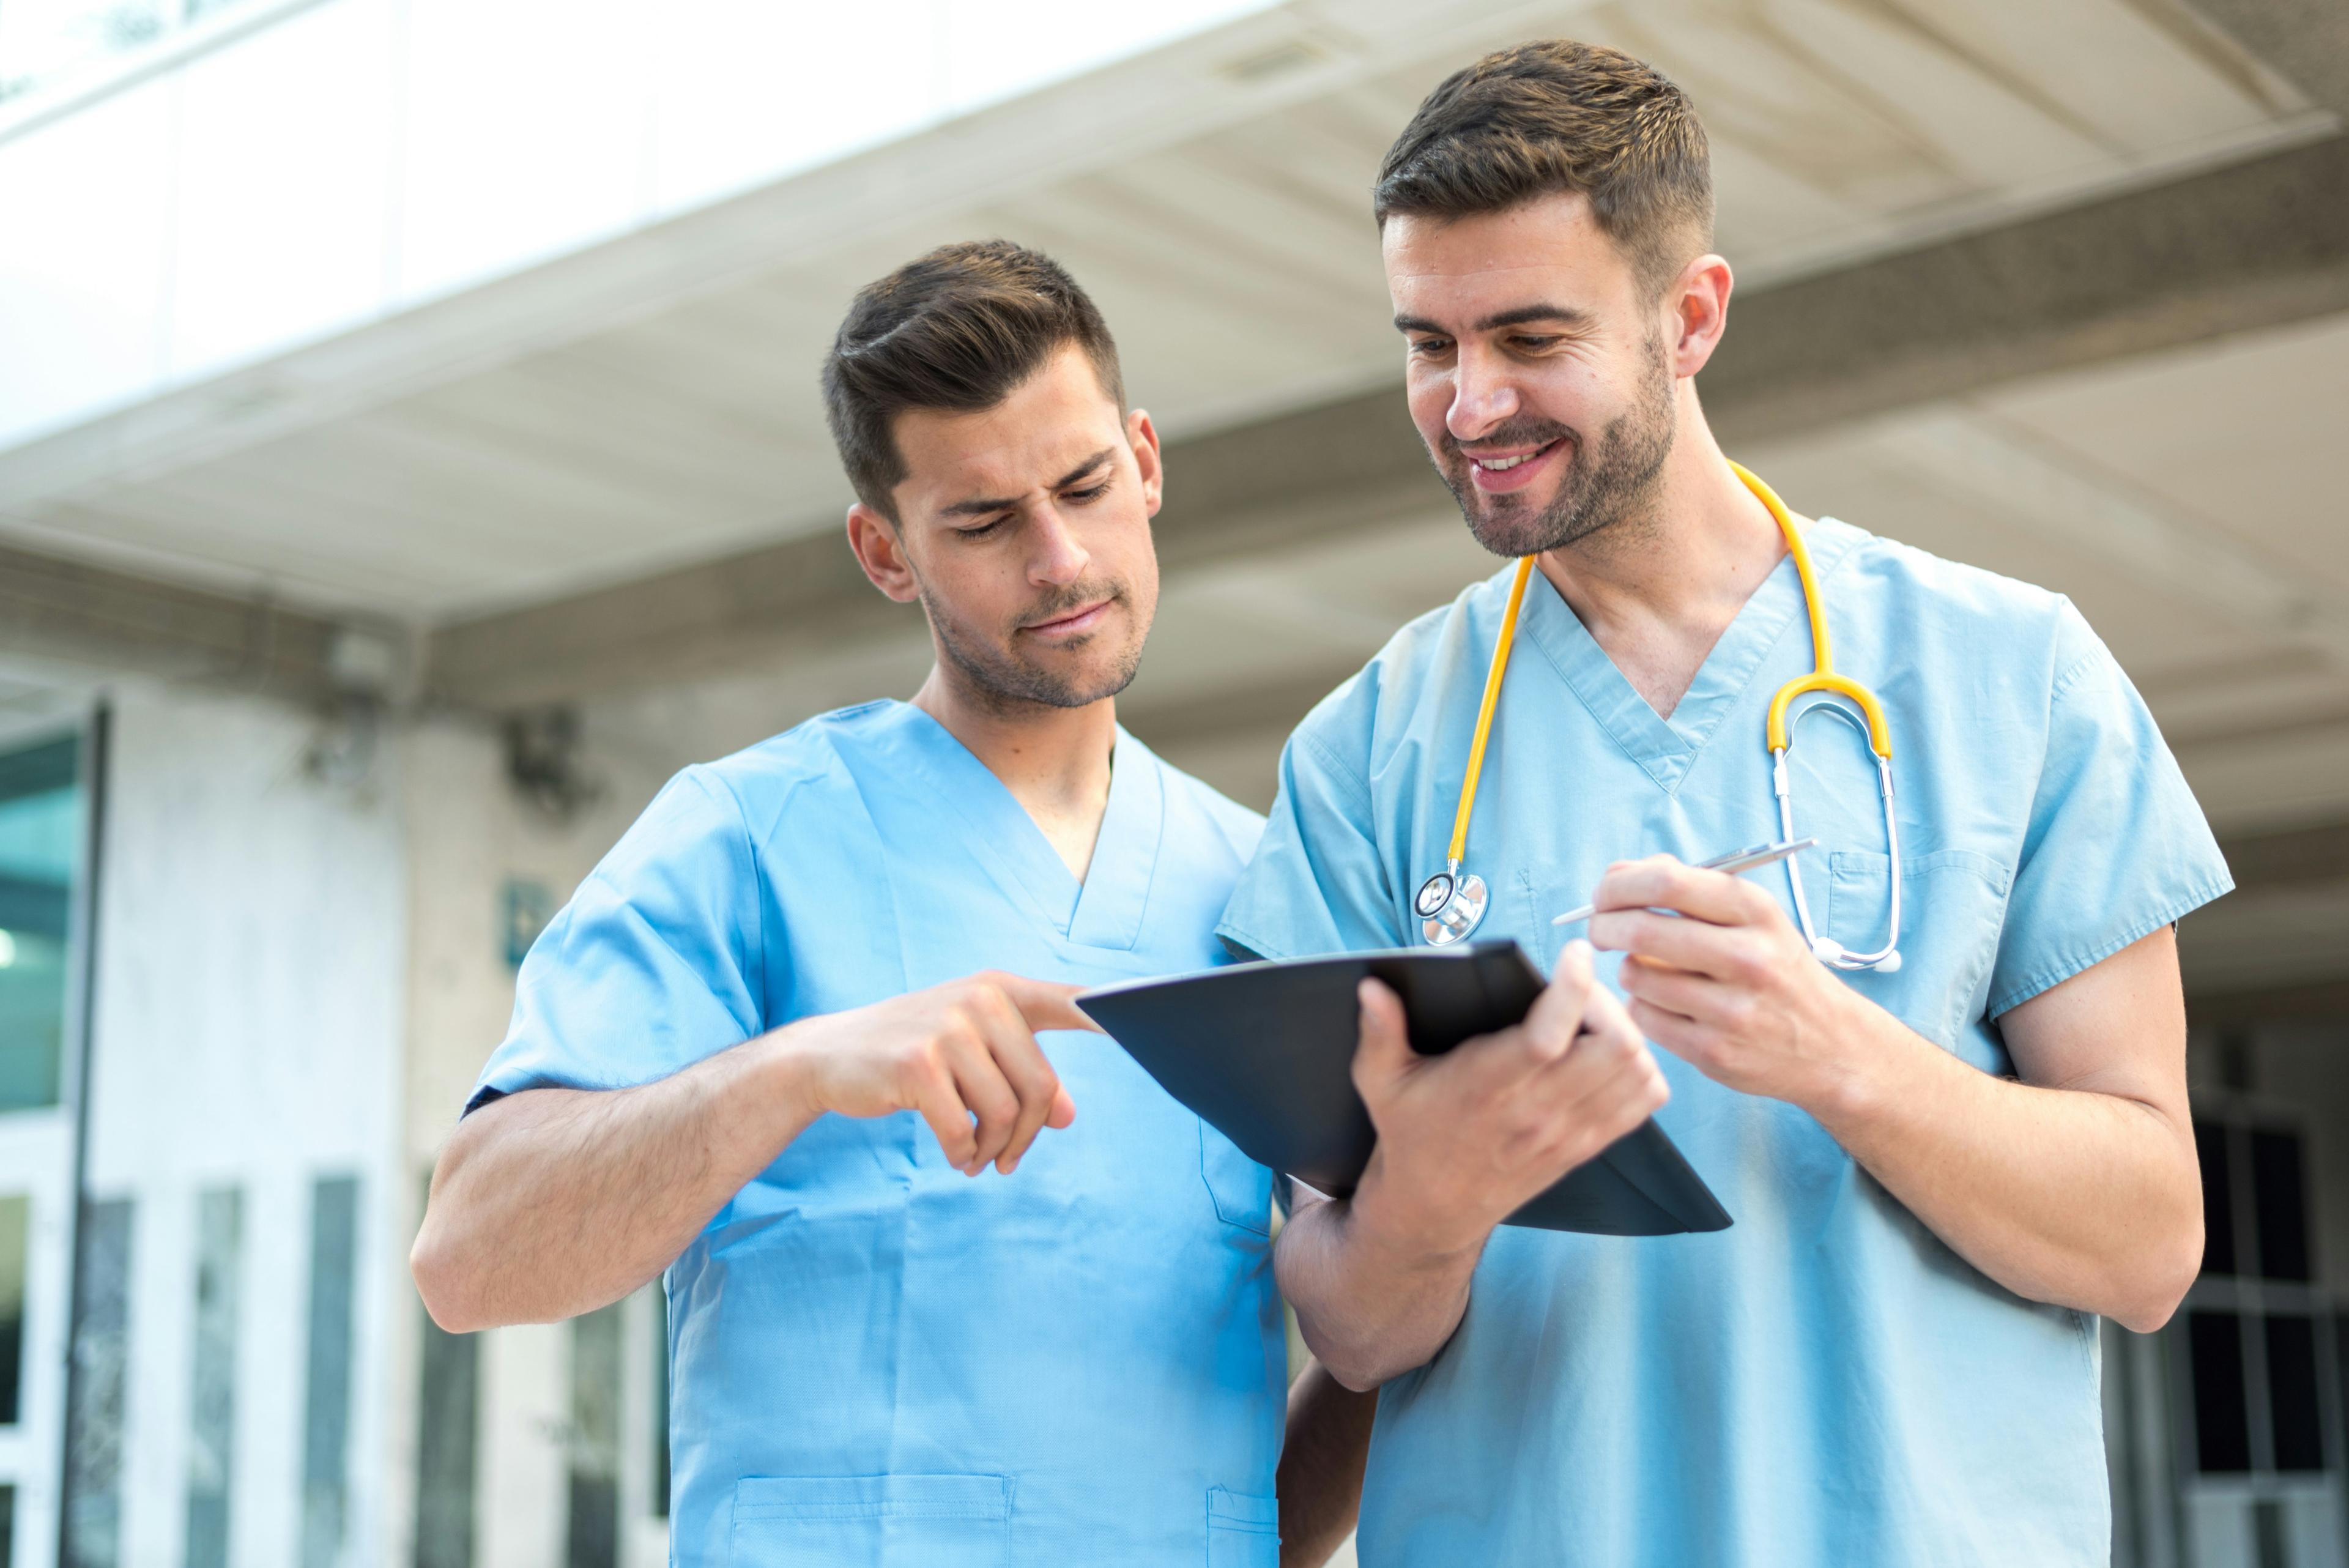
<point x="1263" y="1052"/>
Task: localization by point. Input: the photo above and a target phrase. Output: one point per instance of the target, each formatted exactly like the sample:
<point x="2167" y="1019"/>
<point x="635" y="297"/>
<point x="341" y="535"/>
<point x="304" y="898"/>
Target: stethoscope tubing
<point x="1452" y="903"/>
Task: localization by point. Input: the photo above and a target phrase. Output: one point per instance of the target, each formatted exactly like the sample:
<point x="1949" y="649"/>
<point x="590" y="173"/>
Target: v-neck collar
<point x="1104" y="910"/>
<point x="1665" y="748"/>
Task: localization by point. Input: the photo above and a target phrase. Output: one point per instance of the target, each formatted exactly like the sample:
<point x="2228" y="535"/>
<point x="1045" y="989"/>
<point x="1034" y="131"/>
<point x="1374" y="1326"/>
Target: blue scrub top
<point x="877" y="1360"/>
<point x="1826" y="1382"/>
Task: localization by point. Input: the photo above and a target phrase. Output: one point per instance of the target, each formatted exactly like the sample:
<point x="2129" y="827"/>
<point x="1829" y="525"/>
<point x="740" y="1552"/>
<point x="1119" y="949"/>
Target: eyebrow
<point x="1518" y="317"/>
<point x="982" y="507"/>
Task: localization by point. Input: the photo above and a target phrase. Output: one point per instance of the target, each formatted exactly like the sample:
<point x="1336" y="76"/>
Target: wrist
<point x="784" y="1079"/>
<point x="1384" y="1216"/>
<point x="1862" y="1072"/>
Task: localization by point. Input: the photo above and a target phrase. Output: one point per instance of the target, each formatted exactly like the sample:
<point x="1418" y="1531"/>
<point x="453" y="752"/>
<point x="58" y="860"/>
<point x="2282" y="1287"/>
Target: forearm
<point x="1371" y="1304"/>
<point x="1321" y="1462"/>
<point x="2066" y="1195"/>
<point x="553" y="1203"/>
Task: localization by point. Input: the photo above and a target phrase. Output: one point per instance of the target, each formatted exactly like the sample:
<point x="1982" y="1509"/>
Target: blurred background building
<point x="410" y="455"/>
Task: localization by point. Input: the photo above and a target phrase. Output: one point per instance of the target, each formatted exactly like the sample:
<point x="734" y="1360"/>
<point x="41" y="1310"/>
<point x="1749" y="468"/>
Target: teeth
<point x="1501" y="464"/>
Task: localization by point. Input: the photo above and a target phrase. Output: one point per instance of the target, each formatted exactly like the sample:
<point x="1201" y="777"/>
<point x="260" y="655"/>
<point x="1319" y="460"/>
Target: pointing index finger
<point x="1047" y="1004"/>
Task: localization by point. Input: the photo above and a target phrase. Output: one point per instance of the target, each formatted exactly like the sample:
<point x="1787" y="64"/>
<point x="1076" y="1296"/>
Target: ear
<point x="1144" y="437"/>
<point x="1697" y="313"/>
<point x="882" y="554"/>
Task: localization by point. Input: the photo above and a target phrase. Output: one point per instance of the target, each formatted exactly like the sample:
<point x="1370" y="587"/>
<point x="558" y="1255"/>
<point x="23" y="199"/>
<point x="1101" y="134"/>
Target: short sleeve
<point x="652" y="966"/>
<point x="1316" y="884"/>
<point x="2117" y="847"/>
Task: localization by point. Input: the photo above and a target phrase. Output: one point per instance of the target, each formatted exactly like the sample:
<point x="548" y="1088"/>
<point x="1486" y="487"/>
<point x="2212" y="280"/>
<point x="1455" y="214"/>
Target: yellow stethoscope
<point x="1450" y="904"/>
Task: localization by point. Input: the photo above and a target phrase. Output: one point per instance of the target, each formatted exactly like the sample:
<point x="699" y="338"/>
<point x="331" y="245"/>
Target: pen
<point x="1736" y="862"/>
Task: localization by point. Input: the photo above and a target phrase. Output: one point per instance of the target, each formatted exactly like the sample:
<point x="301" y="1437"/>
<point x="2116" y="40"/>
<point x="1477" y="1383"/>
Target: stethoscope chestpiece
<point x="1450" y="907"/>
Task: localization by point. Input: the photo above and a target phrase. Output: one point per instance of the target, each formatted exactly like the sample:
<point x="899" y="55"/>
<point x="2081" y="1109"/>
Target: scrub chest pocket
<point x="1242" y="1188"/>
<point x="1242" y="1532"/>
<point x="1954" y="900"/>
<point x="872" y="1522"/>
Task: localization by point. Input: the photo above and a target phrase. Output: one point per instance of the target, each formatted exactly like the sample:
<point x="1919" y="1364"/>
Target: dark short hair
<point x="955" y="330"/>
<point x="1556" y="116"/>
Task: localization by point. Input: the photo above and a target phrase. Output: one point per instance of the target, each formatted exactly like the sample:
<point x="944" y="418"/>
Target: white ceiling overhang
<point x="649" y="400"/>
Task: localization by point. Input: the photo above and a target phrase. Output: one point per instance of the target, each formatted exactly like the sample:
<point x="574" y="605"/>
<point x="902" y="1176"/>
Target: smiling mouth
<point x="1502" y="464"/>
<point x="1505" y="472"/>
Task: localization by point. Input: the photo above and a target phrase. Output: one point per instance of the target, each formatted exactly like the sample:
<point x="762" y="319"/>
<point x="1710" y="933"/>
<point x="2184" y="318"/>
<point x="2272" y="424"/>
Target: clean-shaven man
<point x="777" y="1039"/>
<point x="1942" y="1172"/>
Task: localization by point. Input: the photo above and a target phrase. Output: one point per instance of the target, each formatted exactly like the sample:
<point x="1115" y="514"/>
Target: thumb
<point x="1047" y="1004"/>
<point x="1383" y="1053"/>
<point x="1063" y="1111"/>
<point x="1558" y="1012"/>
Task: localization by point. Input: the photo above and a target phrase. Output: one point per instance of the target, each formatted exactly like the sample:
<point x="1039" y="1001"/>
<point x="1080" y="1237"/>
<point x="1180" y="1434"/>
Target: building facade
<point x="410" y="458"/>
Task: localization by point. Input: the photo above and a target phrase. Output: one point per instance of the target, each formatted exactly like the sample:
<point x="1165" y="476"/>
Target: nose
<point x="1059" y="557"/>
<point x="1483" y="396"/>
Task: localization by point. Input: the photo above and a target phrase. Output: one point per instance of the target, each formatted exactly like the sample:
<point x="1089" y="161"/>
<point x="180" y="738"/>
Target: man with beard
<point x="1941" y="1170"/>
<point x="821" y="986"/>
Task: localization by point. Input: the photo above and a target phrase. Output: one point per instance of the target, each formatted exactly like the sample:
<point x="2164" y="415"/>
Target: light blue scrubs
<point x="877" y="1360"/>
<point x="1825" y="1383"/>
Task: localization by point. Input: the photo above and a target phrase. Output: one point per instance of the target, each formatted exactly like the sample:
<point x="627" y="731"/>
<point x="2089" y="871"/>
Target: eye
<point x="981" y="530"/>
<point x="1533" y="345"/>
<point x="1088" y="495"/>
<point x="1430" y="348"/>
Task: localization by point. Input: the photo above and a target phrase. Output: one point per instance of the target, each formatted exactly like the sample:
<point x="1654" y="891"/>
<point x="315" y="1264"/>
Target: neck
<point x="1656" y="591"/>
<point x="1054" y="761"/>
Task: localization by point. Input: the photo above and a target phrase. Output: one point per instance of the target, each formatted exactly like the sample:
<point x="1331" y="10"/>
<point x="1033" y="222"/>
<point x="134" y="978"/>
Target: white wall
<point x="468" y="832"/>
<point x="297" y="978"/>
<point x="248" y="1018"/>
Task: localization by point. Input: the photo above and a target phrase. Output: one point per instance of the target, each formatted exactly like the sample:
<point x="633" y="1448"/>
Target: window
<point x="2251" y="1330"/>
<point x="660" y="1399"/>
<point x="447" y="1428"/>
<point x="211" y="1403"/>
<point x="40" y="857"/>
<point x="327" y="1416"/>
<point x="15" y="1228"/>
<point x="593" y="1537"/>
<point x="42" y="41"/>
